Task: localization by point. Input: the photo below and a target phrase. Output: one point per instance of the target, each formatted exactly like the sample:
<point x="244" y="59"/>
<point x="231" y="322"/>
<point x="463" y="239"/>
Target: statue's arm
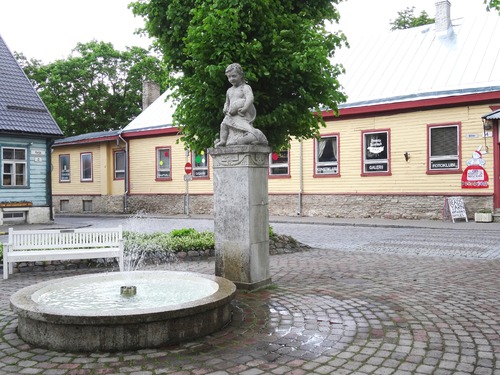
<point x="226" y="104"/>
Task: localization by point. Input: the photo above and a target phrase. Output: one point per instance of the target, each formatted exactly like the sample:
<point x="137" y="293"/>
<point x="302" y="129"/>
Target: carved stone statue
<point x="239" y="113"/>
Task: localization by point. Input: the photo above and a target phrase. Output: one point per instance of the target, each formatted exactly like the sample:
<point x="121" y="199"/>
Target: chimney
<point x="150" y="92"/>
<point x="443" y="18"/>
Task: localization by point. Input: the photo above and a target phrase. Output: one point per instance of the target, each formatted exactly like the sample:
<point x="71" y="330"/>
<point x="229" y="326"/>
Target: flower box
<point x="483" y="217"/>
<point x="16" y="204"/>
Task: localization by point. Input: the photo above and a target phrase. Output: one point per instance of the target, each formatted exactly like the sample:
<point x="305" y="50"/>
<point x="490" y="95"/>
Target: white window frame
<point x="373" y="164"/>
<point x="444" y="163"/>
<point x="119" y="171"/>
<point x="200" y="169"/>
<point x="67" y="172"/>
<point x="15" y="163"/>
<point x="326" y="167"/>
<point x="86" y="158"/>
<point x="283" y="161"/>
<point x="163" y="172"/>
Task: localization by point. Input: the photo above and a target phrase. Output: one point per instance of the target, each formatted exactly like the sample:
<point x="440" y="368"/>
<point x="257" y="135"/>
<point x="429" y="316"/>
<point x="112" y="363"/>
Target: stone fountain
<point x="88" y="313"/>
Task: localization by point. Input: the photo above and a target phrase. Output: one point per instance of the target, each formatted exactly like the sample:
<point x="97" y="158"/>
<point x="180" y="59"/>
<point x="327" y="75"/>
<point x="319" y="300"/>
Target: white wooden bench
<point x="62" y="244"/>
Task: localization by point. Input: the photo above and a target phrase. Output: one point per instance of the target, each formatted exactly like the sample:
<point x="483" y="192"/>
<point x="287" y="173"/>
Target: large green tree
<point x="407" y="19"/>
<point x="283" y="46"/>
<point x="492" y="4"/>
<point x="96" y="88"/>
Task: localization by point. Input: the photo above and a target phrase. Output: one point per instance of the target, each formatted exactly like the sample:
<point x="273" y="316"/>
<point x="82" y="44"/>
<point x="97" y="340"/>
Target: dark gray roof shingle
<point x="21" y="108"/>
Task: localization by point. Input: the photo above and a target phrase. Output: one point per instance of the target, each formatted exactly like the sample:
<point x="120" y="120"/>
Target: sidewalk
<point x="459" y="224"/>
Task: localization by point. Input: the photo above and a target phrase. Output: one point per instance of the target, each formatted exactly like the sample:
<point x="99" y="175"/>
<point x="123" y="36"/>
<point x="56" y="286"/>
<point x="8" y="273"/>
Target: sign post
<point x="188" y="168"/>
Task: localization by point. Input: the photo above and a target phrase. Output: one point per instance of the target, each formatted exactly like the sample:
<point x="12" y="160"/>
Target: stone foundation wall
<point x="99" y="204"/>
<point x="348" y="206"/>
<point x="371" y="206"/>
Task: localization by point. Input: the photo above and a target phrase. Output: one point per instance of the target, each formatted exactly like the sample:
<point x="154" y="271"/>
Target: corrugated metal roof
<point x="21" y="109"/>
<point x="495" y="115"/>
<point x="158" y="114"/>
<point x="417" y="63"/>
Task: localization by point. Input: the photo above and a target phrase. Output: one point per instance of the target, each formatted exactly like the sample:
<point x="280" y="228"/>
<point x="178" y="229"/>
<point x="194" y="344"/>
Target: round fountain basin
<point x="87" y="313"/>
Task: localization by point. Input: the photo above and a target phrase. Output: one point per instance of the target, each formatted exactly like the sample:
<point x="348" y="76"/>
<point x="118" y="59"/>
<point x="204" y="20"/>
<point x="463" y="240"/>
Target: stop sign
<point x="188" y="168"/>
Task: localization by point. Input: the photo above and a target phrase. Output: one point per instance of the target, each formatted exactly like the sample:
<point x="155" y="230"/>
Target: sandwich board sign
<point x="455" y="207"/>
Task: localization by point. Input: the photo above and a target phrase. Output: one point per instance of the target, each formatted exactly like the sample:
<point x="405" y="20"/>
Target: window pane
<point x="278" y="163"/>
<point x="163" y="163"/>
<point x="444" y="141"/>
<point x="86" y="166"/>
<point x="327" y="155"/>
<point x="119" y="164"/>
<point x="200" y="164"/>
<point x="20" y="154"/>
<point x="8" y="153"/>
<point x="376" y="152"/>
<point x="64" y="173"/>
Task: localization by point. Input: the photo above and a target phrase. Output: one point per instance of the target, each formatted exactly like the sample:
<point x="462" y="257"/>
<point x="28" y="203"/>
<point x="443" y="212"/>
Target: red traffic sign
<point x="188" y="168"/>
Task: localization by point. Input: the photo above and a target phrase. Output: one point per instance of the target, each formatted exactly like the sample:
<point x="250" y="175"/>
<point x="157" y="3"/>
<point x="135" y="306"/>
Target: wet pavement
<point x="370" y="297"/>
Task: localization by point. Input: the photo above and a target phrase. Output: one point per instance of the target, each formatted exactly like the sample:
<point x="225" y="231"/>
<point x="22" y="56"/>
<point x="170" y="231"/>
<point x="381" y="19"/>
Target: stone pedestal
<point x="241" y="214"/>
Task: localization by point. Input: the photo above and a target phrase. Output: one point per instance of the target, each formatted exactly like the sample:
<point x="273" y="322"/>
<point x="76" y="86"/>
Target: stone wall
<point x="349" y="206"/>
<point x="99" y="204"/>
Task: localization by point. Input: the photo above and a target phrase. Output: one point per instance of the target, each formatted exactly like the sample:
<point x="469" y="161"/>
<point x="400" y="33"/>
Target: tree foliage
<point x="96" y="88"/>
<point x="407" y="19"/>
<point x="282" y="45"/>
<point x="492" y="4"/>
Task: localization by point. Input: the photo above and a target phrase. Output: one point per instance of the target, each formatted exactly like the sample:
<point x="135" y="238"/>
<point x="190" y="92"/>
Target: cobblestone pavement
<point x="364" y="300"/>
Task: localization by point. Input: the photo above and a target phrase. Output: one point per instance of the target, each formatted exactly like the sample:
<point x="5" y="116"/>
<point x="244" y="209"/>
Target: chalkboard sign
<point x="455" y="207"/>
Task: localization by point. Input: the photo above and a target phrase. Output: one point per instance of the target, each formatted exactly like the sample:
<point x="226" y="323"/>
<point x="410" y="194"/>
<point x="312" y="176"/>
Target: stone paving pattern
<point x="364" y="300"/>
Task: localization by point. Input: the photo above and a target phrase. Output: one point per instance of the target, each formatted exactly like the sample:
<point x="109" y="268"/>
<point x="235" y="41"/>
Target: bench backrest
<point x="65" y="238"/>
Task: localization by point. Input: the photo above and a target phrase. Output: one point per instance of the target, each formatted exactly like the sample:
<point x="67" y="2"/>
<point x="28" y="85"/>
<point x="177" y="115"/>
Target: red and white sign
<point x="188" y="168"/>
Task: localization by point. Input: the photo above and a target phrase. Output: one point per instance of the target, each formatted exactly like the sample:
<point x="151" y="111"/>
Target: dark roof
<point x="107" y="135"/>
<point x="21" y="108"/>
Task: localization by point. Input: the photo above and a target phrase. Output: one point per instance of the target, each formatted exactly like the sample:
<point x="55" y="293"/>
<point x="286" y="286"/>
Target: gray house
<point x="27" y="131"/>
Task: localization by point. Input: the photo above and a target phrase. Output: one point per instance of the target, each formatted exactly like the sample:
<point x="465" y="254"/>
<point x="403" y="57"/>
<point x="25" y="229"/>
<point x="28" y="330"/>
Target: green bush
<point x="173" y="242"/>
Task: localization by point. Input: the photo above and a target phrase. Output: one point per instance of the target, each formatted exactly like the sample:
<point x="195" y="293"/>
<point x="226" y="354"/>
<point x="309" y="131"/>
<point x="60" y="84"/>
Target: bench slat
<point x="63" y="244"/>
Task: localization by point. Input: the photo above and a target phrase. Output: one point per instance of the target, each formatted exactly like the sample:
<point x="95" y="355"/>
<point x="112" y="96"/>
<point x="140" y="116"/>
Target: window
<point x="119" y="165"/>
<point x="87" y="205"/>
<point x="200" y="164"/>
<point x="279" y="164"/>
<point x="86" y="167"/>
<point x="64" y="172"/>
<point x="376" y="153"/>
<point x="326" y="155"/>
<point x="443" y="148"/>
<point x="14" y="216"/>
<point x="163" y="163"/>
<point x="64" y="205"/>
<point x="14" y="167"/>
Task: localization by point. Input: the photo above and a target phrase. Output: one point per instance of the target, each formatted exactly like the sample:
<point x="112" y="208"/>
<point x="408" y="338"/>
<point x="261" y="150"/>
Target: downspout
<point x="301" y="178"/>
<point x="125" y="190"/>
<point x="50" y="201"/>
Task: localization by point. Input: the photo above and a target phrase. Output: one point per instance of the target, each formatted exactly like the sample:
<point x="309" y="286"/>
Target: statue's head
<point x="235" y="67"/>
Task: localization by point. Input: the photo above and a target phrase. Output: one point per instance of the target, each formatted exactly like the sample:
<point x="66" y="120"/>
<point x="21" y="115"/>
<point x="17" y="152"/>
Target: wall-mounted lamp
<point x="487" y="124"/>
<point x="407" y="155"/>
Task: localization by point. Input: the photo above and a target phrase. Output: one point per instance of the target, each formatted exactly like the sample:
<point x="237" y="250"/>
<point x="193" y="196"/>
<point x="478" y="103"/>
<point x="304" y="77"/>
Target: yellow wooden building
<point x="413" y="133"/>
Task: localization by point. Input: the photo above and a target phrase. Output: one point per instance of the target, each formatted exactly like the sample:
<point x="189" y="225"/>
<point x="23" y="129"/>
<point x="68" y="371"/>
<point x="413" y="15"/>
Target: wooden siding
<point x="142" y="159"/>
<point x="38" y="171"/>
<point x="407" y="133"/>
<point x="102" y="183"/>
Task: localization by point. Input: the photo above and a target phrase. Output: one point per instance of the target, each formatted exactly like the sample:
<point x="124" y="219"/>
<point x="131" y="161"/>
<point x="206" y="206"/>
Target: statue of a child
<point x="239" y="113"/>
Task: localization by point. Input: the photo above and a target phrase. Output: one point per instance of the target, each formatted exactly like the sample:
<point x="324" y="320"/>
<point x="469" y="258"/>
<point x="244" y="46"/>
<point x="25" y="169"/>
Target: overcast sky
<point x="49" y="29"/>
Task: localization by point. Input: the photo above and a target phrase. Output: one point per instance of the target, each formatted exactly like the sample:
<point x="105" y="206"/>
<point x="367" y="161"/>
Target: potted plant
<point x="483" y="215"/>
